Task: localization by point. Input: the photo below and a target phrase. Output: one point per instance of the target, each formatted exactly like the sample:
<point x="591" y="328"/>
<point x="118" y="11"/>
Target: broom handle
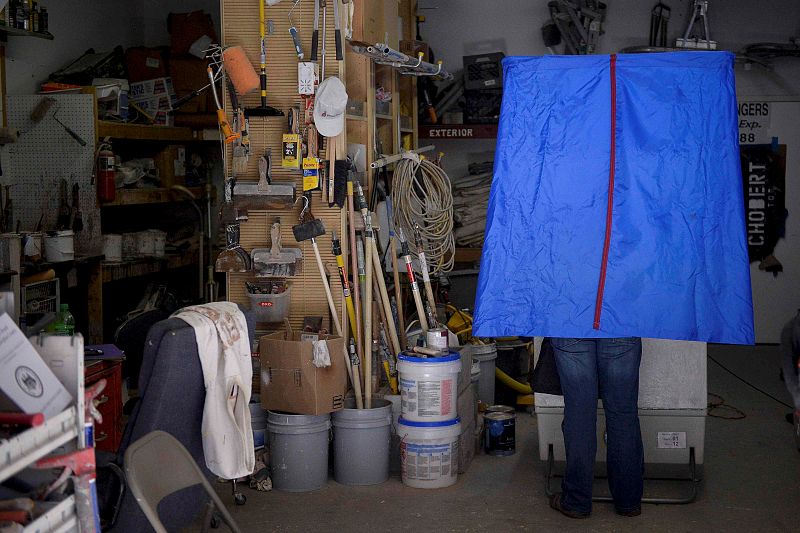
<point x="368" y="325"/>
<point x="355" y="377"/>
<point x="387" y="307"/>
<point x="401" y="321"/>
<point x="327" y="286"/>
<point x="354" y="268"/>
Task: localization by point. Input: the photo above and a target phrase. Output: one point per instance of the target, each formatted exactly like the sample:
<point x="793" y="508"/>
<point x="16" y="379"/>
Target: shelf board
<point x="16" y="32"/>
<point x="406" y="130"/>
<point x="143" y="266"/>
<point x="383" y="117"/>
<point x="356" y="117"/>
<point x="458" y="131"/>
<point x="159" y="195"/>
<point x="122" y="130"/>
<point x="32" y="444"/>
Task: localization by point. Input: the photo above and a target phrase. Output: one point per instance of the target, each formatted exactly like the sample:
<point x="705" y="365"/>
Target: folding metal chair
<point x="156" y="466"/>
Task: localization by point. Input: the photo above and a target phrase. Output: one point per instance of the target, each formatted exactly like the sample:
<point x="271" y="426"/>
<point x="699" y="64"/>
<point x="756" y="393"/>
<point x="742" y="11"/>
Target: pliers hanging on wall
<point x="323" y="4"/>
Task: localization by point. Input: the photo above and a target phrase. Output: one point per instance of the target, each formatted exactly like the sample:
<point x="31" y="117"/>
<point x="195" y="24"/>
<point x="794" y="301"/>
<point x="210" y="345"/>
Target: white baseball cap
<point x="329" y="107"/>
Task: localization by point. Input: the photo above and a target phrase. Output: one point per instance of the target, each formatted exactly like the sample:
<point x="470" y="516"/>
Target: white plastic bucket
<point x="59" y="246"/>
<point x="429" y="453"/>
<point x="429" y="387"/>
<point x="112" y="247"/>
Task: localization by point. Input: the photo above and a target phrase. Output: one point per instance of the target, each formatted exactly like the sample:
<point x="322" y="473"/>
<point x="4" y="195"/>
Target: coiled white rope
<point x="422" y="194"/>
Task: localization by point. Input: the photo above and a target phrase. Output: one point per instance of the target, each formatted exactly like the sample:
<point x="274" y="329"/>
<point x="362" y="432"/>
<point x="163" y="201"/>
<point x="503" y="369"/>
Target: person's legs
<point x="577" y="370"/>
<point x="618" y="368"/>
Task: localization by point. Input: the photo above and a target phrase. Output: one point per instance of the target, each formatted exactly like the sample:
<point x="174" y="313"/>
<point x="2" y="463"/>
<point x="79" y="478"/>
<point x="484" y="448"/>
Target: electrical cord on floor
<point x="765" y="393"/>
<point x="720" y="405"/>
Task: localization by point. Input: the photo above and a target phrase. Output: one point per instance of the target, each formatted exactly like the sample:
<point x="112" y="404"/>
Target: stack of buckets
<point x="429" y="426"/>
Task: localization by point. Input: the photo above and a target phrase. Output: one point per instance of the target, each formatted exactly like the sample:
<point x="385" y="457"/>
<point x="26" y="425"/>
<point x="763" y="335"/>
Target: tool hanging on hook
<point x="322" y="4"/>
<point x="263" y="110"/>
<point x="298" y="47"/>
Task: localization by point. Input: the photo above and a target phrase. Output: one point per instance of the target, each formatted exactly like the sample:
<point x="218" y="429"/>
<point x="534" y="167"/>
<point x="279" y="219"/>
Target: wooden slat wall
<point x="240" y="26"/>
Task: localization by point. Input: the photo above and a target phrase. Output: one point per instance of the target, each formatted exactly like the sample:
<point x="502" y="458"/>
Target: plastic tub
<point x="361" y="440"/>
<point x="429" y="453"/>
<point x="59" y="246"/>
<point x="270" y="307"/>
<point x="112" y="247"/>
<point x="298" y="446"/>
<point x="486" y="355"/>
<point x="429" y="387"/>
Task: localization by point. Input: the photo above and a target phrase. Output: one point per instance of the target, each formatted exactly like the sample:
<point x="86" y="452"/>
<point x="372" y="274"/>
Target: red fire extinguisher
<point x="106" y="173"/>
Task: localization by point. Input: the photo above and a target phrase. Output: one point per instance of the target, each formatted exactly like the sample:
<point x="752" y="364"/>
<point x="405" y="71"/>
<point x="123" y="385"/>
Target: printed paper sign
<point x="754" y="123"/>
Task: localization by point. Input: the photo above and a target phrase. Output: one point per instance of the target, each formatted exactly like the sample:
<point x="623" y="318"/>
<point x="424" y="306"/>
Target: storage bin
<point x="271" y="307"/>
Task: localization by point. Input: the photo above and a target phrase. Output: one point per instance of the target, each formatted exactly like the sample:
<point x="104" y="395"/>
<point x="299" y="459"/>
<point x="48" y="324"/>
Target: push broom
<point x="263" y="110"/>
<point x="309" y="229"/>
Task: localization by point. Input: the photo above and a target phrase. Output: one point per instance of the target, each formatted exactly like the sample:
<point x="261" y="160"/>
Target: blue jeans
<point x="608" y="368"/>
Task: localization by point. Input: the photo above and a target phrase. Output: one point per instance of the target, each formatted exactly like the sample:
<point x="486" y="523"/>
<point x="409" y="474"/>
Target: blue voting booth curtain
<point x="616" y="205"/>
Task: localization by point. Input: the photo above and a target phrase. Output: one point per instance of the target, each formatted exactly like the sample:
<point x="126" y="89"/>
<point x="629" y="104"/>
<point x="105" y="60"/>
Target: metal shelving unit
<point x="64" y="355"/>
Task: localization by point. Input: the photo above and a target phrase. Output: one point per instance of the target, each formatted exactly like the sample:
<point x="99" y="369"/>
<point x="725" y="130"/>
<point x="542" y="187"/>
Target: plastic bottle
<point x="67" y="320"/>
<point x="64" y="323"/>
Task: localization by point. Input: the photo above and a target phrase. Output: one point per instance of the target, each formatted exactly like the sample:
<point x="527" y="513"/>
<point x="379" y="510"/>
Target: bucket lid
<point x="442" y="424"/>
<point x="496" y="415"/>
<point x="453" y="356"/>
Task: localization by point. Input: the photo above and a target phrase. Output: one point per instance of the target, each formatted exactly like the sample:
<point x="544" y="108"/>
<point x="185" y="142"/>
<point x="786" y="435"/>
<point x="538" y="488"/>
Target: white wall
<point x="79" y="25"/>
<point x="76" y="27"/>
<point x="458" y="26"/>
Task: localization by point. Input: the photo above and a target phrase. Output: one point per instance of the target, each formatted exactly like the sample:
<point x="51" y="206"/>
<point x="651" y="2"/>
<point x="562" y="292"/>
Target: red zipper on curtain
<point x="598" y="306"/>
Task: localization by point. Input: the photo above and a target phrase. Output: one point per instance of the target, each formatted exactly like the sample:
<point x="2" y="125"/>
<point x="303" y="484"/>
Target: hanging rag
<point x="616" y="204"/>
<point x="224" y="349"/>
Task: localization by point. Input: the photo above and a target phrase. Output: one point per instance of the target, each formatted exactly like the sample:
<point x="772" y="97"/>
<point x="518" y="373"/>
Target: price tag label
<point x="672" y="440"/>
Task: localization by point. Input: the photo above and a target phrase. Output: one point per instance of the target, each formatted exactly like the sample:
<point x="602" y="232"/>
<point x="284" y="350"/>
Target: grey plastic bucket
<point x="258" y="421"/>
<point x="361" y="443"/>
<point x="298" y="447"/>
<point x="486" y="355"/>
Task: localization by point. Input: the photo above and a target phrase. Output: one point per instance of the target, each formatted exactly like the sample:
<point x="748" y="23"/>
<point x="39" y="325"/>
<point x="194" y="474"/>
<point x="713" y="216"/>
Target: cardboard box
<point x="171" y="165"/>
<point x="26" y="382"/>
<point x="291" y="383"/>
<point x="145" y="63"/>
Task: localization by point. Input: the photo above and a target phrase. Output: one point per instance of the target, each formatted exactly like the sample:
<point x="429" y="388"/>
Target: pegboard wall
<point x="240" y="27"/>
<point x="43" y="155"/>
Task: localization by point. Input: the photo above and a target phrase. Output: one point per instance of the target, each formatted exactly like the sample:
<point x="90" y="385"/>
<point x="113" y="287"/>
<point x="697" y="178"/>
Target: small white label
<point x="672" y="440"/>
<point x="309" y="337"/>
<point x="152" y="62"/>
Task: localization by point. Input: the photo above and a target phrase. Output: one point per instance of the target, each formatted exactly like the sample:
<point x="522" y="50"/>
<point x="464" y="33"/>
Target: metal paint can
<point x="500" y="409"/>
<point x="437" y="340"/>
<point x="499" y="433"/>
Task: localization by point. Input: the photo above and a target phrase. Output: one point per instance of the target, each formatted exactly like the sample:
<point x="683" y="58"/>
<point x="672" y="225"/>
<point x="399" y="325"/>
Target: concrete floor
<point x="752" y="480"/>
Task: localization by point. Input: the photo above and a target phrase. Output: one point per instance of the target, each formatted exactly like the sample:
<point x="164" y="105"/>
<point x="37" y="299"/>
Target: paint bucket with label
<point x="499" y="432"/>
<point x="437" y="340"/>
<point x="429" y="387"/>
<point x="429" y="453"/>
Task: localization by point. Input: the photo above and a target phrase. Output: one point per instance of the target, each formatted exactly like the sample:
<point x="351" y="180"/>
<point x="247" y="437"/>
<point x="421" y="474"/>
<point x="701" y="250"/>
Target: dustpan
<point x="233" y="258"/>
<point x="276" y="261"/>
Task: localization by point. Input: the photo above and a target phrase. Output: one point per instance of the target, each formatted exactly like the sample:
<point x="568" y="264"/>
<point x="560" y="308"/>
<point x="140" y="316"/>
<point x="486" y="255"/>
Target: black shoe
<point x="633" y="512"/>
<point x="555" y="503"/>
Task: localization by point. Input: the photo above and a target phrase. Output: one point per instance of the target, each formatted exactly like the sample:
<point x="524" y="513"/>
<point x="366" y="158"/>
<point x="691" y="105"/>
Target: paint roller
<point x="239" y="70"/>
<point x="41" y="111"/>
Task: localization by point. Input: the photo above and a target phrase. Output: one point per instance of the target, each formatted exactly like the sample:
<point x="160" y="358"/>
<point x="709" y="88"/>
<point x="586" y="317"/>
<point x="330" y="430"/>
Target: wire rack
<point x="40" y="297"/>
